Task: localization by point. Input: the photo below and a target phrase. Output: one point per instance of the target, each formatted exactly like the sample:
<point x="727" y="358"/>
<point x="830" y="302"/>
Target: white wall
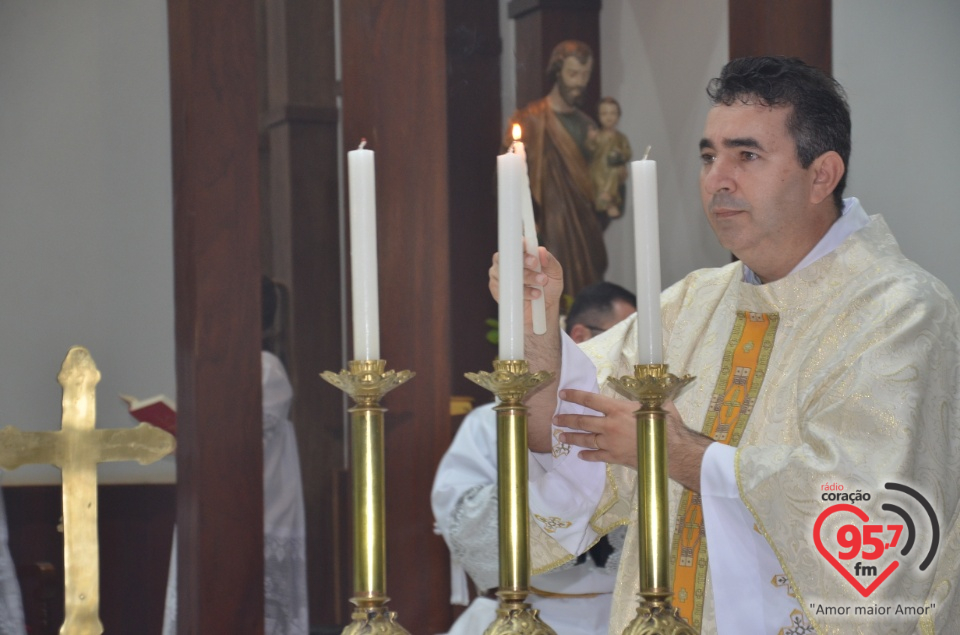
<point x="900" y="64"/>
<point x="86" y="251"/>
<point x="658" y="56"/>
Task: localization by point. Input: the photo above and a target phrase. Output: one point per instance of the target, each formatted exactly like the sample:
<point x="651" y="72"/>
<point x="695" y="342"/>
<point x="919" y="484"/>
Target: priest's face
<point x="573" y="79"/>
<point x="754" y="191"/>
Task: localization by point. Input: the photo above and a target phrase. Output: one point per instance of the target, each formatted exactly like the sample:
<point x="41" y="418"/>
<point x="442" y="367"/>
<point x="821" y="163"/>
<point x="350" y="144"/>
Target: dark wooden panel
<point x="301" y="250"/>
<point x="213" y="51"/>
<point x="540" y="26"/>
<point x="33" y="514"/>
<point x="395" y="95"/>
<point x="136" y="529"/>
<point x="473" y="114"/>
<point x="315" y="340"/>
<point x="798" y="28"/>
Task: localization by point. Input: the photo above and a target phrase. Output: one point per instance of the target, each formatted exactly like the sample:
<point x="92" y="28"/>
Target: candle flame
<point x="363" y="143"/>
<point x="517" y="132"/>
<point x="647" y="153"/>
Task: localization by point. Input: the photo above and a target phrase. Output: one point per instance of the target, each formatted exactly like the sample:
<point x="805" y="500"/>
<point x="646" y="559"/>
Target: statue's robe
<point x="862" y="388"/>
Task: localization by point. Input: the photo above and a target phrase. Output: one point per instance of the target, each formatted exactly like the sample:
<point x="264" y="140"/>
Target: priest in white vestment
<point x="828" y="369"/>
<point x="573" y="599"/>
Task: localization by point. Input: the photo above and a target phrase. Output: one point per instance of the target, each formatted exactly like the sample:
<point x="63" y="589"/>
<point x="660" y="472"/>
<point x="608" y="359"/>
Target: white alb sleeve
<point x="564" y="490"/>
<point x="743" y="567"/>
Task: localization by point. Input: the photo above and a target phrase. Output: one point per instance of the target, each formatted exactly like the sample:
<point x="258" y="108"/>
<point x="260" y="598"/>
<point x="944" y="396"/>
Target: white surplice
<point x="284" y="530"/>
<point x="464" y="500"/>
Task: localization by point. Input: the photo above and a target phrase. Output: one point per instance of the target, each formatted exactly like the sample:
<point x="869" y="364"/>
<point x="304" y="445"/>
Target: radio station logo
<point x="858" y="548"/>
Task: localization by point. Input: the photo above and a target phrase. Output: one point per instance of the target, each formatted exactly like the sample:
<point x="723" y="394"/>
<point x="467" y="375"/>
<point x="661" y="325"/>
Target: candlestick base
<point x="374" y="621"/>
<point x="517" y="618"/>
<point x="658" y="620"/>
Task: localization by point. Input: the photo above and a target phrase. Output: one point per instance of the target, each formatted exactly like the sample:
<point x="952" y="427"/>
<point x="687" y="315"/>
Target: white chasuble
<point x="862" y="388"/>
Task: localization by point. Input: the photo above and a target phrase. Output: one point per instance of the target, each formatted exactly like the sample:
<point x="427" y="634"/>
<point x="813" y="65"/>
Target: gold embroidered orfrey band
<point x="744" y="367"/>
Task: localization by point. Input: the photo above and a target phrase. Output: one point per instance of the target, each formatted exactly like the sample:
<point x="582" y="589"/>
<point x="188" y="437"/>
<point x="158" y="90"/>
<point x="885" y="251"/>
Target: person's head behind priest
<point x="774" y="158"/>
<point x="597" y="308"/>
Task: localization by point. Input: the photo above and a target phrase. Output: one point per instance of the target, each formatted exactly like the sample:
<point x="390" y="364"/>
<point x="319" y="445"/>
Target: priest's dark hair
<point x="820" y="121"/>
<point x="568" y="48"/>
<point x="596" y="301"/>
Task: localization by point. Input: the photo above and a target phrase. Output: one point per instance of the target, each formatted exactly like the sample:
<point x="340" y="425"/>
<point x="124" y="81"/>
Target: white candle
<point x="509" y="233"/>
<point x="363" y="254"/>
<point x="647" y="247"/>
<point x="538" y="306"/>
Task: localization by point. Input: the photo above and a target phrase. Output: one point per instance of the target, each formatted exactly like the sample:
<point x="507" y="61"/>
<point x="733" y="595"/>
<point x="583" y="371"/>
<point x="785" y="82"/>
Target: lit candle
<point x="538" y="307"/>
<point x="647" y="246"/>
<point x="509" y="232"/>
<point x="363" y="253"/>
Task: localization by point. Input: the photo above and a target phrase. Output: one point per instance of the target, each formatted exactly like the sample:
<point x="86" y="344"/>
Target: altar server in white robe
<point x="284" y="529"/>
<point x="574" y="599"/>
<point x="823" y="358"/>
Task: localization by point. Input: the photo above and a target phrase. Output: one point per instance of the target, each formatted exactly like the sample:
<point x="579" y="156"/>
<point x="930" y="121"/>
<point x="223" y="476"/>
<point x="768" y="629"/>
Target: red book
<point x="157" y="410"/>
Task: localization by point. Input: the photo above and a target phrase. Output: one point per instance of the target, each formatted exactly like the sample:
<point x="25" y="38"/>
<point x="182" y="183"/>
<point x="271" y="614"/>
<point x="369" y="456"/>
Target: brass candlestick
<point x="510" y="382"/>
<point x="651" y="385"/>
<point x="366" y="382"/>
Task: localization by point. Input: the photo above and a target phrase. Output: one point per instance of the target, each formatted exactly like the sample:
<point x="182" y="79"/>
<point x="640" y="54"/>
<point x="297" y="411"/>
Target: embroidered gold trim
<point x="604" y="507"/>
<point x="553" y="565"/>
<point x="552" y="523"/>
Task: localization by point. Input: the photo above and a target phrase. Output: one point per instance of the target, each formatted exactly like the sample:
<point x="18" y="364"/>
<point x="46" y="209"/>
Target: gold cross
<point x="76" y="449"/>
<point x="732" y="401"/>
